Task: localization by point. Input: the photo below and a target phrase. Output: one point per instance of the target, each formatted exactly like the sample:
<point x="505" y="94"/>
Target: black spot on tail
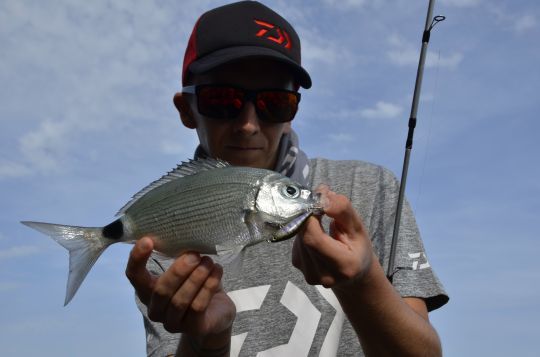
<point x="114" y="230"/>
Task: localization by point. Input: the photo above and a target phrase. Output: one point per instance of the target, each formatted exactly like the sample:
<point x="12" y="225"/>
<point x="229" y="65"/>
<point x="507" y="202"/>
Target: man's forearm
<point x="385" y="324"/>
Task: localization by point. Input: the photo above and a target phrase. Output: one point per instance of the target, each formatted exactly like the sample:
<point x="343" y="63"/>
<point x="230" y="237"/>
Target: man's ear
<point x="184" y="108"/>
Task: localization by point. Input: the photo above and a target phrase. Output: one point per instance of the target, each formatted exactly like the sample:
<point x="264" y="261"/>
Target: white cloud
<point x="404" y="56"/>
<point x="436" y="60"/>
<point x="47" y="148"/>
<point x="524" y="23"/>
<point x="17" y="252"/>
<point x="382" y="110"/>
<point x="518" y="23"/>
<point x="6" y="287"/>
<point x="403" y="53"/>
<point x="461" y="3"/>
<point x="13" y="170"/>
<point x="99" y="62"/>
<point x="42" y="149"/>
<point x="317" y="48"/>
<point x="345" y="4"/>
<point x="171" y="147"/>
<point x="426" y="97"/>
<point x="35" y="324"/>
<point x="342" y="137"/>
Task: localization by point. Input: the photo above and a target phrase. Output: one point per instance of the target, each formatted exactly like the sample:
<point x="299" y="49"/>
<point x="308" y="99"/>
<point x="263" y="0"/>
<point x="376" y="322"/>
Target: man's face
<point x="245" y="140"/>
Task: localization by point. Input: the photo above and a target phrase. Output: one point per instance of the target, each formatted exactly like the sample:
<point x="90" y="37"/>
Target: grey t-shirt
<point x="278" y="313"/>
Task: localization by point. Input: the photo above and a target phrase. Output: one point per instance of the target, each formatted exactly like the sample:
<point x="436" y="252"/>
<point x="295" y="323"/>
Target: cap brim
<point x="231" y="54"/>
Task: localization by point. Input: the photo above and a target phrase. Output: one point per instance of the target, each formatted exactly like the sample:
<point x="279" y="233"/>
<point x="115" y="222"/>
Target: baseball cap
<point x="245" y="29"/>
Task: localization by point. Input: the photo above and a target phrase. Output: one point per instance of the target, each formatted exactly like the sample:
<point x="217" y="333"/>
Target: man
<point x="241" y="74"/>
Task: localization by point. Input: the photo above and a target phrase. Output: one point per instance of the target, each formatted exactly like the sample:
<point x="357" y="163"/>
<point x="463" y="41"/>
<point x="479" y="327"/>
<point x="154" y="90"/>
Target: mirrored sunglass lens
<point x="277" y="106"/>
<point x="220" y="102"/>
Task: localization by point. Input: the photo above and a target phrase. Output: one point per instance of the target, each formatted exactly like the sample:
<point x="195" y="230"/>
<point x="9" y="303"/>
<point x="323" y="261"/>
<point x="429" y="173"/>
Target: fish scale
<point x="227" y="176"/>
<point x="183" y="224"/>
<point x="197" y="208"/>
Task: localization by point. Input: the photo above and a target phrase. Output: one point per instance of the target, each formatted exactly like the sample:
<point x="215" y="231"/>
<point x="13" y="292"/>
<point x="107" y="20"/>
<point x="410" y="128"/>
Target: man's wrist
<point x="209" y="352"/>
<point x="215" y="345"/>
<point x="363" y="283"/>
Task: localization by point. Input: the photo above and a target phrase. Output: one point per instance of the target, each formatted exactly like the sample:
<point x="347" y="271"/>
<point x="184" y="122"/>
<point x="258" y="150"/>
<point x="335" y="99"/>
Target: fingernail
<point x="323" y="193"/>
<point x="192" y="258"/>
<point x="322" y="188"/>
<point x="144" y="244"/>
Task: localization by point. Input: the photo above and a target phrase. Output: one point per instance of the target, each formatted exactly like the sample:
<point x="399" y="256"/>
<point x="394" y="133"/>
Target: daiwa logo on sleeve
<point x="420" y="261"/>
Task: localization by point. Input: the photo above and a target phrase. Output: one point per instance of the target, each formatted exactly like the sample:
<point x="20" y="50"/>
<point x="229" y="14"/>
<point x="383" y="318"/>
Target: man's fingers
<point x="136" y="270"/>
<point x="304" y="260"/>
<point x="315" y="238"/>
<point x="341" y="210"/>
<point x="181" y="300"/>
<point x="206" y="293"/>
<point x="169" y="284"/>
<point x="329" y="252"/>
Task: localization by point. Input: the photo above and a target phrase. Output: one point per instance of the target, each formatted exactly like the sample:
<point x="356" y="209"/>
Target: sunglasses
<point x="226" y="102"/>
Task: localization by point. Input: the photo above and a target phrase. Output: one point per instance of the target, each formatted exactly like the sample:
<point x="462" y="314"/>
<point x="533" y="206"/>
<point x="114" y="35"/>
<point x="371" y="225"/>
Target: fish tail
<point x="85" y="245"/>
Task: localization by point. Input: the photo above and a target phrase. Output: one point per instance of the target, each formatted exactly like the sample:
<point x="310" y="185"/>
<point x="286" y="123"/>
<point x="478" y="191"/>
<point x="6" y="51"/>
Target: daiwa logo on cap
<point x="282" y="39"/>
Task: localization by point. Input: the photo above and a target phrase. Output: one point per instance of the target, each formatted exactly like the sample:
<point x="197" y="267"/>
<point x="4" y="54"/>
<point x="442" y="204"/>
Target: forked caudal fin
<point x="85" y="245"/>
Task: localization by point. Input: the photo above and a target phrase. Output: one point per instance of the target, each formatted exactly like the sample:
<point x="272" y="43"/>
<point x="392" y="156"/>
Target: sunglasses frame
<point x="249" y="96"/>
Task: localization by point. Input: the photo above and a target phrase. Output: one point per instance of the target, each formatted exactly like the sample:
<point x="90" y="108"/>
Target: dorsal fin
<point x="183" y="169"/>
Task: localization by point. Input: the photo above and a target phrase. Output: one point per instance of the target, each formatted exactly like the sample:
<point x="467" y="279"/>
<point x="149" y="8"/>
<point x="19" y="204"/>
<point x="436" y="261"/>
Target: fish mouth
<point x="290" y="229"/>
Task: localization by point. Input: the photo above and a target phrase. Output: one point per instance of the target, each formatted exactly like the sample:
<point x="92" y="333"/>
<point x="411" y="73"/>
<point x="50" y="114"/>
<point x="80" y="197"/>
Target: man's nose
<point x="247" y="122"/>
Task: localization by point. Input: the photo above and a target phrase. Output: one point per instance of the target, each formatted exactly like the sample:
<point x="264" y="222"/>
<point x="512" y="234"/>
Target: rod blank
<point x="430" y="23"/>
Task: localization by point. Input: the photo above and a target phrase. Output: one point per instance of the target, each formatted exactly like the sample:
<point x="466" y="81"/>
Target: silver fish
<point x="204" y="205"/>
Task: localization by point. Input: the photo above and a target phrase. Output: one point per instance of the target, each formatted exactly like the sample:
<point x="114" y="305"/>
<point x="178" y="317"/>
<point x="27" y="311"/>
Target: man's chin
<point x="255" y="162"/>
<point x="248" y="163"/>
<point x="250" y="158"/>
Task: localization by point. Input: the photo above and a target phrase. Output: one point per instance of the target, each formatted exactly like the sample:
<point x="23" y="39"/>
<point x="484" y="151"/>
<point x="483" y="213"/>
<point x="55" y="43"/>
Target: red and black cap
<point x="245" y="29"/>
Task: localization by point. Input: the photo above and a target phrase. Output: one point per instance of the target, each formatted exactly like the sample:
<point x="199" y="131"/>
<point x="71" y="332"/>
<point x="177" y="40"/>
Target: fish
<point x="203" y="205"/>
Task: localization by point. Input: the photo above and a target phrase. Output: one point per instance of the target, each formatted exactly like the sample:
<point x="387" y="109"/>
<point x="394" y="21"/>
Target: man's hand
<point x="186" y="298"/>
<point x="337" y="260"/>
<point x="386" y="324"/>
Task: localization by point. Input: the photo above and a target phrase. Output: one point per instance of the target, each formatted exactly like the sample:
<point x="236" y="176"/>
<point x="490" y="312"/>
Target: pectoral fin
<point x="231" y="256"/>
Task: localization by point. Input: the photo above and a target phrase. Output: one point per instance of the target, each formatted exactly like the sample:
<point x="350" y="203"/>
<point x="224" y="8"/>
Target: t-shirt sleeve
<point x="413" y="274"/>
<point x="373" y="191"/>
<point x="159" y="342"/>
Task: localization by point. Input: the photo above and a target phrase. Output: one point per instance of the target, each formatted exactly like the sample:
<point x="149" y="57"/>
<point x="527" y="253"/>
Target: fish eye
<point x="291" y="191"/>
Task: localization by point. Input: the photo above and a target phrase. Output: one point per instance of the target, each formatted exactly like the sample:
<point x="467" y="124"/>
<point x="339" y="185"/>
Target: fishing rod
<point x="430" y="23"/>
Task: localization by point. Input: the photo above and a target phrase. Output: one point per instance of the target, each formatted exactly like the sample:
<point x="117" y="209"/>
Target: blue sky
<point x="87" y="120"/>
